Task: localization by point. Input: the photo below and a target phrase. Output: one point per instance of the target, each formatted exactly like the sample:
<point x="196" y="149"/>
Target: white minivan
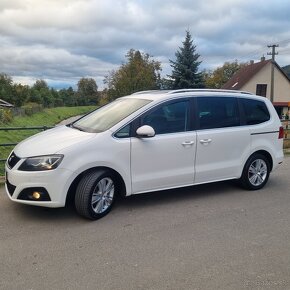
<point x="148" y="141"/>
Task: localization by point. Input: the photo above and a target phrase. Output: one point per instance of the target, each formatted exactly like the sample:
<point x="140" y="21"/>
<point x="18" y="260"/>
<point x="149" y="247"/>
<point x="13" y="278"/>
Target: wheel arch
<point x="72" y="188"/>
<point x="264" y="153"/>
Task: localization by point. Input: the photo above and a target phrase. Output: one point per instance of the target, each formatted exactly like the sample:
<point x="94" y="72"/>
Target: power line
<point x="255" y="52"/>
<point x="284" y="41"/>
<point x="260" y="50"/>
<point x="284" y="50"/>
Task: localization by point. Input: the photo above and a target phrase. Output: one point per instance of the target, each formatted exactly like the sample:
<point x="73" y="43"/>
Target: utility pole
<point x="272" y="53"/>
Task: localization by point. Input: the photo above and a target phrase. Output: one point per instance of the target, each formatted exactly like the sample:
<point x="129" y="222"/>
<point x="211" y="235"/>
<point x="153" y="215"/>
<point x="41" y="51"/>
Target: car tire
<point x="256" y="172"/>
<point x="96" y="194"/>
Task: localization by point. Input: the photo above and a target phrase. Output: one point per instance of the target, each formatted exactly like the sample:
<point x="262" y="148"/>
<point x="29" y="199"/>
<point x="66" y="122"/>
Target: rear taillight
<point x="281" y="132"/>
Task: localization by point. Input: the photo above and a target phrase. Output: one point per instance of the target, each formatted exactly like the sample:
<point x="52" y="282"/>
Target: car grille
<point x="11" y="188"/>
<point x="12" y="160"/>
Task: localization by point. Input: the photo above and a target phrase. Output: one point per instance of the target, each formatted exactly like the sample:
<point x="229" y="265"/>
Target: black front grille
<point x="12" y="160"/>
<point x="10" y="187"/>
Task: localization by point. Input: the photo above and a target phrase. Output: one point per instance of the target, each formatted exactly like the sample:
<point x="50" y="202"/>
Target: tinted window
<point x="256" y="112"/>
<point x="218" y="112"/>
<point x="124" y="132"/>
<point x="170" y="118"/>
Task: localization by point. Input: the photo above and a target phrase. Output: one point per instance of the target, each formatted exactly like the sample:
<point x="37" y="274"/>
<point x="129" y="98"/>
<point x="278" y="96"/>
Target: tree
<point x="68" y="97"/>
<point x="87" y="91"/>
<point x="139" y="73"/>
<point x="21" y="93"/>
<point x="185" y="69"/>
<point x="286" y="69"/>
<point x="217" y="78"/>
<point x="6" y="88"/>
<point x="40" y="84"/>
<point x="41" y="94"/>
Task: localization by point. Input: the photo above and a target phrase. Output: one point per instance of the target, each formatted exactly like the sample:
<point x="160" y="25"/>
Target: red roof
<point x="241" y="77"/>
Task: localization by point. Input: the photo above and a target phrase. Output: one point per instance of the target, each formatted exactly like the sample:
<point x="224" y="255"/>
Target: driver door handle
<point x="205" y="141"/>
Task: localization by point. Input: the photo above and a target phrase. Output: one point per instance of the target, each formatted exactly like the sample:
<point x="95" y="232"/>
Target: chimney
<point x="263" y="58"/>
<point x="251" y="61"/>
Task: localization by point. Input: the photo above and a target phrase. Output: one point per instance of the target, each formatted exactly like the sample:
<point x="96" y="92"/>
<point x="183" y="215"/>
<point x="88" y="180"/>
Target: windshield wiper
<point x="76" y="127"/>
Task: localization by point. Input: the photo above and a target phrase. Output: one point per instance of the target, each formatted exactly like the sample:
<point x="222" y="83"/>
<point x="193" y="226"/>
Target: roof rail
<point x="151" y="92"/>
<point x="208" y="90"/>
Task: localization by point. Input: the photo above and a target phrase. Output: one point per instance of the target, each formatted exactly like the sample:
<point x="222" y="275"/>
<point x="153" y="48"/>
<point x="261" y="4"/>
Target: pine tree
<point x="185" y="73"/>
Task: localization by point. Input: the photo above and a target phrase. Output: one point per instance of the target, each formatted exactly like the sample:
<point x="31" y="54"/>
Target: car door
<point x="222" y="144"/>
<point x="167" y="159"/>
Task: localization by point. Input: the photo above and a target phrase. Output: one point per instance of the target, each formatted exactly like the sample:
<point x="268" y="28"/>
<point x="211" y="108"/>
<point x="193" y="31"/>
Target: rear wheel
<point x="256" y="172"/>
<point x="95" y="194"/>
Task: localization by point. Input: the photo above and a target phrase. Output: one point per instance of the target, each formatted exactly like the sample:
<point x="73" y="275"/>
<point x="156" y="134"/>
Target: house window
<point x="261" y="90"/>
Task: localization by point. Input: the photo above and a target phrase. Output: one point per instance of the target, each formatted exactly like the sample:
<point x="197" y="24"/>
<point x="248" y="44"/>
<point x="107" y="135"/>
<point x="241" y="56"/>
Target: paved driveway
<point x="214" y="236"/>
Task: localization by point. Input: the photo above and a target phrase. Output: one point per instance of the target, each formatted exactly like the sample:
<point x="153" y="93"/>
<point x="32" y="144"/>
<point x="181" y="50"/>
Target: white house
<point x="256" y="78"/>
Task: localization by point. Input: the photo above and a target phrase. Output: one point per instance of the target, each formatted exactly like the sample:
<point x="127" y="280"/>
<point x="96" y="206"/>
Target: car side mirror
<point x="145" y="132"/>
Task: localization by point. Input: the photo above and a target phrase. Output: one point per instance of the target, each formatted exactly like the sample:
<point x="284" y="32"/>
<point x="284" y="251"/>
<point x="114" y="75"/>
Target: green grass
<point x="48" y="117"/>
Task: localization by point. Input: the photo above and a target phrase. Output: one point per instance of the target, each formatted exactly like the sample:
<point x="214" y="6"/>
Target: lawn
<point x="48" y="117"/>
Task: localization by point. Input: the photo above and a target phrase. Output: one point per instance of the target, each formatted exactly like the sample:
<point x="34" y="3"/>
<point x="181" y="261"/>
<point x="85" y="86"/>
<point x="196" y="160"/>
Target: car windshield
<point x="109" y="115"/>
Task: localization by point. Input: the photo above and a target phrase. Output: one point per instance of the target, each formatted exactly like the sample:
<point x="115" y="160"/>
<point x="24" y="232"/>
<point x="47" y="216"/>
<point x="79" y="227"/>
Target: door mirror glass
<point x="145" y="132"/>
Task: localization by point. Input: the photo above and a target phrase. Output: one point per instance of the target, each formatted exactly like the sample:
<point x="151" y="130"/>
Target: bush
<point x="32" y="108"/>
<point x="6" y="116"/>
<point x="103" y="101"/>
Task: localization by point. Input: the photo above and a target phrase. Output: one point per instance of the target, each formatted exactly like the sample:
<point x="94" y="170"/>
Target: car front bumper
<point x="55" y="182"/>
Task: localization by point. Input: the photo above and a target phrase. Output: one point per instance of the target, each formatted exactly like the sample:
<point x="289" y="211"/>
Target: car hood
<point x="51" y="141"/>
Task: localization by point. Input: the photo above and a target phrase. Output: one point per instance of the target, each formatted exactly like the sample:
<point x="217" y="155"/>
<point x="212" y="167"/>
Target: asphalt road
<point x="215" y="236"/>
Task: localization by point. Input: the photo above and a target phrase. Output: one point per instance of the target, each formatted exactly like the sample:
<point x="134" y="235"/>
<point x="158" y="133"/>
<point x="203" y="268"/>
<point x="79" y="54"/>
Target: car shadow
<point x="179" y="194"/>
<point x="138" y="201"/>
<point x="35" y="213"/>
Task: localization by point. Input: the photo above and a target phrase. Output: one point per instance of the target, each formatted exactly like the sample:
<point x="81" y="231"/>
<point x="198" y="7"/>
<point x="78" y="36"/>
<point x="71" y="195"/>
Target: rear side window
<point x="217" y="112"/>
<point x="256" y="112"/>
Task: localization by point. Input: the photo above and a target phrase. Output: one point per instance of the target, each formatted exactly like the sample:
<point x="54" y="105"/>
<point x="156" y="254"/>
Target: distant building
<point x="256" y="78"/>
<point x="4" y="104"/>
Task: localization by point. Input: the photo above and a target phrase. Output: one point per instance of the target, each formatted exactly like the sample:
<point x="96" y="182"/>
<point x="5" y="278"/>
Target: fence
<point x="285" y="123"/>
<point x="40" y="128"/>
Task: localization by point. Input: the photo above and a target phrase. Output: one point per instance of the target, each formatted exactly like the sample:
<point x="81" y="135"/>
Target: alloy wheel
<point x="103" y="195"/>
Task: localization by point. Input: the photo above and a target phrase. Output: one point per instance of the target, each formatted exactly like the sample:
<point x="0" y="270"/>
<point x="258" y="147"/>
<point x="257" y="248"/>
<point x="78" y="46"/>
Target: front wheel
<point x="256" y="172"/>
<point x="95" y="194"/>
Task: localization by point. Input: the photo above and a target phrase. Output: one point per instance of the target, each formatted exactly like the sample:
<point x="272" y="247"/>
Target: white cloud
<point x="62" y="40"/>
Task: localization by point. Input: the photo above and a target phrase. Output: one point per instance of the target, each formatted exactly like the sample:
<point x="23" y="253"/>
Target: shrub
<point x="6" y="116"/>
<point x="32" y="108"/>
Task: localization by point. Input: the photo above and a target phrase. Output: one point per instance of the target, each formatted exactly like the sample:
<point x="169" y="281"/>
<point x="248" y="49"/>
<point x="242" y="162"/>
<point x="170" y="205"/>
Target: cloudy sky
<point x="63" y="40"/>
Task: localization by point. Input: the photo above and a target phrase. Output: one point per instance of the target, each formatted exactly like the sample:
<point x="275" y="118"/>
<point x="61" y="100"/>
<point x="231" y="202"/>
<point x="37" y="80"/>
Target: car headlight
<point x="41" y="163"/>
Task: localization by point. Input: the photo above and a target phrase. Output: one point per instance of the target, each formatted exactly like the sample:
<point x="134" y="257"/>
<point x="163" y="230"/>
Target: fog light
<point x="36" y="195"/>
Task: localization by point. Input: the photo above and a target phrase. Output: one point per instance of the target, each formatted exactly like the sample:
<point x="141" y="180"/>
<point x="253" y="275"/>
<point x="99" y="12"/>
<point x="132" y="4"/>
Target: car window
<point x="124" y="132"/>
<point x="256" y="112"/>
<point x="106" y="117"/>
<point x="169" y="118"/>
<point x="217" y="112"/>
